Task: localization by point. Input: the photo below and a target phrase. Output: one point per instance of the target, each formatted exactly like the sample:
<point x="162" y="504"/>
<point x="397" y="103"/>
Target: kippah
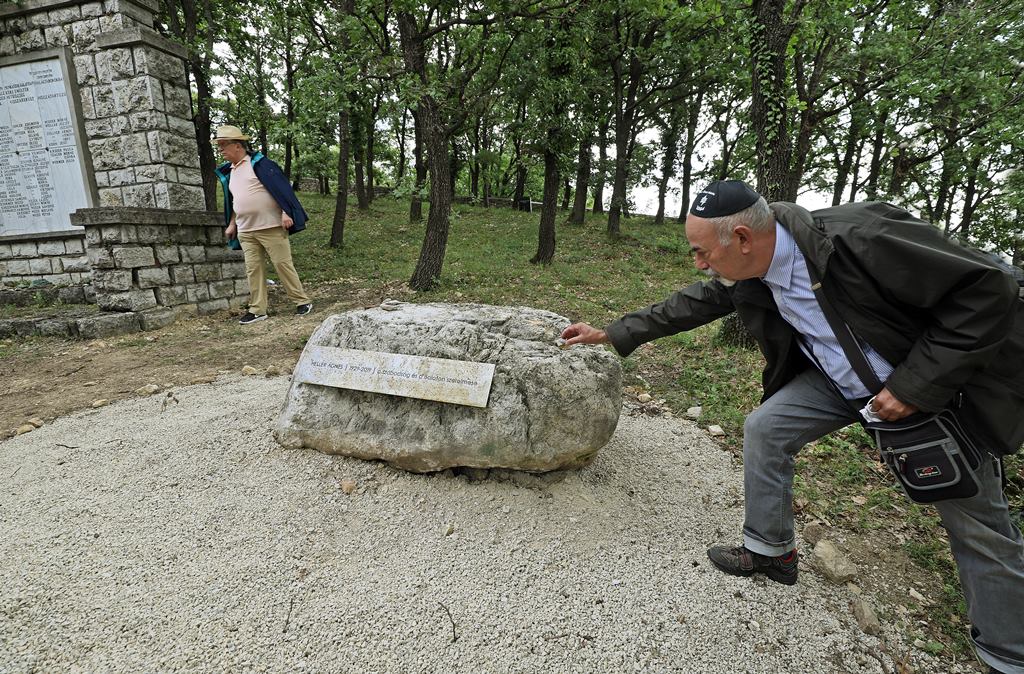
<point x="723" y="197"/>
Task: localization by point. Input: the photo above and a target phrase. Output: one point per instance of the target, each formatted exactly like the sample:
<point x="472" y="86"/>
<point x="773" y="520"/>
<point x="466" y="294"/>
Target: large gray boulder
<point x="549" y="408"/>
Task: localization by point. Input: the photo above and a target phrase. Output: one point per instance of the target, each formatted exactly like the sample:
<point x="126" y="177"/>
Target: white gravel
<point x="139" y="539"/>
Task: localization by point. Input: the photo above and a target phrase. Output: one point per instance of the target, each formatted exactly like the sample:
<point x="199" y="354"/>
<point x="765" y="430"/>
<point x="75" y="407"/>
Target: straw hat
<point x="228" y="132"/>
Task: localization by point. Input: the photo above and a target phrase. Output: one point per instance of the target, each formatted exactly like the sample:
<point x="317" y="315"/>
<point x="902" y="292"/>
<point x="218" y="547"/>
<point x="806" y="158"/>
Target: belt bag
<point x="930" y="455"/>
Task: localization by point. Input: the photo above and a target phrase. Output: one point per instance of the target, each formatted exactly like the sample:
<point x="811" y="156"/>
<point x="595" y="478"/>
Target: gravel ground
<point x="185" y="539"/>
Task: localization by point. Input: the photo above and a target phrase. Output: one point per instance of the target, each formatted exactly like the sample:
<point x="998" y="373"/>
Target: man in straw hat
<point x="260" y="212"/>
<point x="938" y="324"/>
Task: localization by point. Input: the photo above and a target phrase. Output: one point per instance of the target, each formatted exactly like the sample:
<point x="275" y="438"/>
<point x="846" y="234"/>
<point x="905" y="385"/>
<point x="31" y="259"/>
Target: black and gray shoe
<point x="303" y="309"/>
<point x="250" y="317"/>
<point x="742" y="562"/>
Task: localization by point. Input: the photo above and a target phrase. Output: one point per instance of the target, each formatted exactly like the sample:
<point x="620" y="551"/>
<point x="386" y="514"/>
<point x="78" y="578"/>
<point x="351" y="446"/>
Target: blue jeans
<point x="988" y="548"/>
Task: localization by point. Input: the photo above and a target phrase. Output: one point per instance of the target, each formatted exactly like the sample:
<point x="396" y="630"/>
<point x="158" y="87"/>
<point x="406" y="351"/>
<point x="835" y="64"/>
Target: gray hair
<point x="757" y="216"/>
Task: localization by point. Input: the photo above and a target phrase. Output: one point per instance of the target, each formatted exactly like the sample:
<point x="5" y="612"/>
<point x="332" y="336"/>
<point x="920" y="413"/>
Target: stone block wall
<point x="59" y="259"/>
<point x="144" y="258"/>
<point x="134" y="97"/>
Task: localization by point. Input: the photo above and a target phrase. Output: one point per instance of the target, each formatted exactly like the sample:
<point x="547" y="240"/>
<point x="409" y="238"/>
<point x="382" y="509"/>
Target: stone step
<point x="45" y="295"/>
<point x="84" y="324"/>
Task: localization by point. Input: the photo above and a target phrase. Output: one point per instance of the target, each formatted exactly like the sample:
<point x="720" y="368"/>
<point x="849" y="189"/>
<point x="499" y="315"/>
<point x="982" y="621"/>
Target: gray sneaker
<point x="250" y="317"/>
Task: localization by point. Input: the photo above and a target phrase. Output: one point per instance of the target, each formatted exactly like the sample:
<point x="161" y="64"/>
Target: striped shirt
<point x="790" y="284"/>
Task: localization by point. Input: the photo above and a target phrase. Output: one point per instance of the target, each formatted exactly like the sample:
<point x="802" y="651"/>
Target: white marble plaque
<point x="41" y="179"/>
<point x="450" y="381"/>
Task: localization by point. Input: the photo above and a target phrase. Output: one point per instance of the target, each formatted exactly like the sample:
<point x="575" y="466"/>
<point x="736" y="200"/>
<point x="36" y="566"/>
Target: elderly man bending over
<point x="938" y="323"/>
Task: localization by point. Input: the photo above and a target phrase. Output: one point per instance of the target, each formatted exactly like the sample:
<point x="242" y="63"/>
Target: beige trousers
<point x="272" y="243"/>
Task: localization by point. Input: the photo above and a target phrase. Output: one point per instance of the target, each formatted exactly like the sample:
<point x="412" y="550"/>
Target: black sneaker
<point x="303" y="309"/>
<point x="742" y="562"/>
<point x="250" y="317"/>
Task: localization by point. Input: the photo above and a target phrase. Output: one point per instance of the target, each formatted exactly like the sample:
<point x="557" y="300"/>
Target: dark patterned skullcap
<point x="723" y="197"/>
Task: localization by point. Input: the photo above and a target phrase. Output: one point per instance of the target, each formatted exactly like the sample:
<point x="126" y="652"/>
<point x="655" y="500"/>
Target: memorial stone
<point x="545" y="407"/>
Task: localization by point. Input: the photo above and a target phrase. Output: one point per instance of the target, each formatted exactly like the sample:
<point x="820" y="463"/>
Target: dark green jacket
<point x="942" y="313"/>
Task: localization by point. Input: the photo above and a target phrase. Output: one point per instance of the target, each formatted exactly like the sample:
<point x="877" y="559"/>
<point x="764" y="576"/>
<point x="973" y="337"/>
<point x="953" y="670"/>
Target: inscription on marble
<point x="451" y="381"/>
<point x="41" y="179"/>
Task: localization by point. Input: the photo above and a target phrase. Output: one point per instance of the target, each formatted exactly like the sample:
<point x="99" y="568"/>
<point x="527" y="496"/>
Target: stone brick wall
<point x="58" y="259"/>
<point x="133" y="92"/>
<point x="143" y="258"/>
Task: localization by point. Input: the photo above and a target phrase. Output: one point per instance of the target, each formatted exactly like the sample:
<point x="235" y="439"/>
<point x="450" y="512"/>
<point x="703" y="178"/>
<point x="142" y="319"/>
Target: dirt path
<point x="46" y="378"/>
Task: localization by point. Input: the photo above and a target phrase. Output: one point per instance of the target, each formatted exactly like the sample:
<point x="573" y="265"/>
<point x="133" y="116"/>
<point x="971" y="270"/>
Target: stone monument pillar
<point x="98" y="155"/>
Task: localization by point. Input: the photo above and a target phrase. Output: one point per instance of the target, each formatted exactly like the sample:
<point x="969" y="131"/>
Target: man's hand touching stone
<point x="581" y="333"/>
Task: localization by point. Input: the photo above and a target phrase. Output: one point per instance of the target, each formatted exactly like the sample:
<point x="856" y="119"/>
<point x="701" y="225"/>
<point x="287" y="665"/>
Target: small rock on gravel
<point x="24" y="428"/>
<point x="249" y="370"/>
<point x="147" y="390"/>
<point x="694" y="412"/>
<point x="716" y="431"/>
<point x="832" y="563"/>
<point x="865" y="615"/>
<point x="36" y="421"/>
<point x="814" y="532"/>
<point x="100" y="402"/>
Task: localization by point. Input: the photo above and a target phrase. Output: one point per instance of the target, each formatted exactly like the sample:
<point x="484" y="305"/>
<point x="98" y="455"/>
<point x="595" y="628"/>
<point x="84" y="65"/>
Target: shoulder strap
<point x="851" y="348"/>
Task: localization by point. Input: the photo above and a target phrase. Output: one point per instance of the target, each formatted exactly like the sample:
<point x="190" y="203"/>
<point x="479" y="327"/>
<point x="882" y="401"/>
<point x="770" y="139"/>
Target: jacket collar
<point x="225" y="168"/>
<point x="809" y="235"/>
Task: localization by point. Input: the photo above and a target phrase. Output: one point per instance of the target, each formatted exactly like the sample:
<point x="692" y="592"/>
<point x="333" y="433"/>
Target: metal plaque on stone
<point x="440" y="379"/>
<point x="43" y="176"/>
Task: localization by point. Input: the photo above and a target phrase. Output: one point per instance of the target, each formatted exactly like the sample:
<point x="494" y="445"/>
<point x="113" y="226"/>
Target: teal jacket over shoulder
<point x="943" y="314"/>
<point x="275" y="182"/>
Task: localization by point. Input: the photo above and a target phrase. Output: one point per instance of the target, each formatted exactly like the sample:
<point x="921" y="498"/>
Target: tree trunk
<point x="566" y="193"/>
<point x="690" y="144"/>
<point x="669" y="142"/>
<point x="769" y="38"/>
<point x="416" y="204"/>
<point x="579" y="204"/>
<point x="549" y="209"/>
<point x="858" y="112"/>
<point x="401" y="145"/>
<point x="455" y="167"/>
<point x="297" y="178"/>
<point x="486" y="142"/>
<point x="943" y="192"/>
<point x="199" y="66"/>
<point x="520" y="192"/>
<point x="434" y="134"/>
<point x="371" y="132"/>
<point x="204" y="131"/>
<point x="876" y="157"/>
<point x="602" y="165"/>
<point x="855" y="178"/>
<point x="371" y="138"/>
<point x="357" y="129"/>
<point x="474" y="168"/>
<point x="435" y="241"/>
<point x="967" y="216"/>
<point x="341" y="202"/>
<point x="618" y="202"/>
